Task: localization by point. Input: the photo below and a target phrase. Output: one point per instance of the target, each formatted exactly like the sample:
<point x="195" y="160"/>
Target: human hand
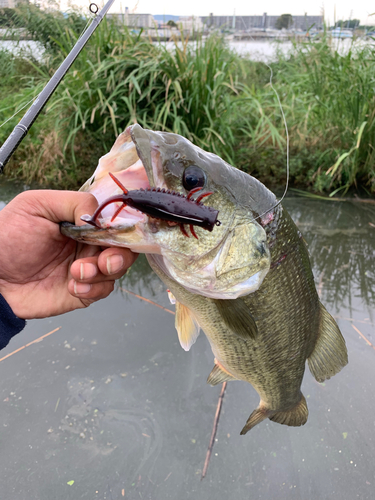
<point x="44" y="273"/>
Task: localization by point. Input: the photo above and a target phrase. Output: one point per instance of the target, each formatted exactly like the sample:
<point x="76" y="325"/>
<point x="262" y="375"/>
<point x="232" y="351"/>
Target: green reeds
<point x="341" y="109"/>
<point x="206" y="92"/>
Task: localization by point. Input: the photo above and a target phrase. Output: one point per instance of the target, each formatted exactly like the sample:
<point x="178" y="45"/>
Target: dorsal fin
<point x="218" y="375"/>
<point x="186" y="325"/>
<point x="237" y="316"/>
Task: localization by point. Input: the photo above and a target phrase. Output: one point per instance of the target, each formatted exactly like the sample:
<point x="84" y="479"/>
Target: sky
<point x="345" y="9"/>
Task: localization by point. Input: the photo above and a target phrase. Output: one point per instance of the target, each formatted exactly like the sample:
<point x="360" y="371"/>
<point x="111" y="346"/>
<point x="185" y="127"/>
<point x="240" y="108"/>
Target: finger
<point x="90" y="292"/>
<point x="114" y="262"/>
<point x="58" y="206"/>
<point x="86" y="270"/>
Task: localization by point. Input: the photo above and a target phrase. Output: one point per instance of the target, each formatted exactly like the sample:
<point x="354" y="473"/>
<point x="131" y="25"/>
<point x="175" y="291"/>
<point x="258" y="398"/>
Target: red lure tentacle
<point x="193" y="232"/>
<point x="201" y="196"/>
<point x="121" y="186"/>
<point x="193" y="191"/>
<point x="183" y="230"/>
<point x="118" y="211"/>
<point x="98" y="211"/>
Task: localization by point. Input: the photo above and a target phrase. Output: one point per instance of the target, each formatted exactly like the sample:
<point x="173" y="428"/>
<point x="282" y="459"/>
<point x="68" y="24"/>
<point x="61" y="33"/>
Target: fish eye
<point x="193" y="177"/>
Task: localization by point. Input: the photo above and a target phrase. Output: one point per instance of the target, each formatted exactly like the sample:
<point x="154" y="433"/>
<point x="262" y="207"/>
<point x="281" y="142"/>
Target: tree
<point x="171" y="24"/>
<point x="350" y="23"/>
<point x="284" y="21"/>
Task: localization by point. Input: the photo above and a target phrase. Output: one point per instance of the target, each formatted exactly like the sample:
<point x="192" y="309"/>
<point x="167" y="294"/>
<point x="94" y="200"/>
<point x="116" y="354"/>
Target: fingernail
<point x="114" y="263"/>
<point x="88" y="271"/>
<point x="81" y="288"/>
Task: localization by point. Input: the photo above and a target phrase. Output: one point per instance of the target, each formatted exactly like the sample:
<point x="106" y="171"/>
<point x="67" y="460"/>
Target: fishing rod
<point x="20" y="130"/>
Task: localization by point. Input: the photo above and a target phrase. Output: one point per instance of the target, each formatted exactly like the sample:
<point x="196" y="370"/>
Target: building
<point x="190" y="24"/>
<point x="245" y="23"/>
<point x="8" y="3"/>
<point x="134" y="20"/>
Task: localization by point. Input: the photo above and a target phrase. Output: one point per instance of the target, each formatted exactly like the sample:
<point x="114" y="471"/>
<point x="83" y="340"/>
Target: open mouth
<point x="122" y="161"/>
<point x="127" y="198"/>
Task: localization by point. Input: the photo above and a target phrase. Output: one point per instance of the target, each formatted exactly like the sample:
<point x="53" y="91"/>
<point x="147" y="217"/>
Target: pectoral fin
<point x="171" y="297"/>
<point x="186" y="325"/>
<point x="237" y="316"/>
<point x="330" y="354"/>
<point x="218" y="375"/>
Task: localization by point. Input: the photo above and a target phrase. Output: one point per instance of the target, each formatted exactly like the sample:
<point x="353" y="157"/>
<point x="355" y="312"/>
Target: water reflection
<point x="140" y="278"/>
<point x="341" y="239"/>
<point x="116" y="405"/>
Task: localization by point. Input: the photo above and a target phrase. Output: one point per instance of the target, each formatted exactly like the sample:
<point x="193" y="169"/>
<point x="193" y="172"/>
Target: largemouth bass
<point x="247" y="283"/>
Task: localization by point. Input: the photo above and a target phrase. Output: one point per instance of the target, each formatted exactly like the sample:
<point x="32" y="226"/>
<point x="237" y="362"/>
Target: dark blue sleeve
<point x="10" y="324"/>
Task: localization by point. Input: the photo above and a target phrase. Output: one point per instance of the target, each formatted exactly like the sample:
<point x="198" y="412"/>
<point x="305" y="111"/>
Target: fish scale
<point x="287" y="314"/>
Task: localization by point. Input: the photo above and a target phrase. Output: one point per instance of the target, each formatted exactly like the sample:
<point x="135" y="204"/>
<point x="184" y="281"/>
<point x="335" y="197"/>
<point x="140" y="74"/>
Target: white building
<point x="8" y="3"/>
<point x="134" y="20"/>
<point x="190" y="23"/>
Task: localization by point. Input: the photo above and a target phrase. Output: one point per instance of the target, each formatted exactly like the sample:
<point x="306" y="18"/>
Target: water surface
<point x="257" y="50"/>
<point x="113" y="403"/>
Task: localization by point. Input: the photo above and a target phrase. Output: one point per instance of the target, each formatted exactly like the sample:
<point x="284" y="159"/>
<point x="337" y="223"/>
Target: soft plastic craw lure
<point x="162" y="204"/>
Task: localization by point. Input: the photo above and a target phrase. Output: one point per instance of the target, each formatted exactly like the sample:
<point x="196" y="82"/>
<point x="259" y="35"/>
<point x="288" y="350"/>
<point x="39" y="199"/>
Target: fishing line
<point x="22" y="128"/>
<point x="93" y="8"/>
<point x="287" y="147"/>
<point x="16" y="113"/>
<point x="287" y="138"/>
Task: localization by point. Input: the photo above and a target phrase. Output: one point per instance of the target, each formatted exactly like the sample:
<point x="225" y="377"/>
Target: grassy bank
<point x="219" y="100"/>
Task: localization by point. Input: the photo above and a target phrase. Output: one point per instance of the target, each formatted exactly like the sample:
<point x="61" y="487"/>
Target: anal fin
<point x="237" y="316"/>
<point x="255" y="418"/>
<point x="330" y="353"/>
<point x="218" y="375"/>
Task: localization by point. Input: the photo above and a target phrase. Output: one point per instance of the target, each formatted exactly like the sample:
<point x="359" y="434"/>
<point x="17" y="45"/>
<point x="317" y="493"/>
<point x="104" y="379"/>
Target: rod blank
<point x="22" y="128"/>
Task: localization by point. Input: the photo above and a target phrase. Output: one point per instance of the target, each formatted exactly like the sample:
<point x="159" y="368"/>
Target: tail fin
<point x="294" y="417"/>
<point x="330" y="354"/>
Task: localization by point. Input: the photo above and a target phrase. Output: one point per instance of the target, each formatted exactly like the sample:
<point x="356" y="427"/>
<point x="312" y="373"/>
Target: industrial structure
<point x="198" y="24"/>
<point x="261" y="22"/>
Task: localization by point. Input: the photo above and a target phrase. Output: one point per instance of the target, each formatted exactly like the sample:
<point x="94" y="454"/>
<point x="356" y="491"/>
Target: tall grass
<point x="187" y="90"/>
<point x="338" y="93"/>
<point x="206" y="92"/>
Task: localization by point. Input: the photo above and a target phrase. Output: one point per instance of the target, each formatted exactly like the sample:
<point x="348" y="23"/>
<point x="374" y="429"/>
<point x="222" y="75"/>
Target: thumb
<point x="58" y="206"/>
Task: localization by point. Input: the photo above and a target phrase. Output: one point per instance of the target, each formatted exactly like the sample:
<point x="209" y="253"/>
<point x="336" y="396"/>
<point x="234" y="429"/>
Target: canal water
<point x="110" y="406"/>
<point x="257" y="50"/>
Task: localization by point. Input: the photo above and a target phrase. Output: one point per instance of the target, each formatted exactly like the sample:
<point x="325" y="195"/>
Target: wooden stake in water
<point x="214" y="429"/>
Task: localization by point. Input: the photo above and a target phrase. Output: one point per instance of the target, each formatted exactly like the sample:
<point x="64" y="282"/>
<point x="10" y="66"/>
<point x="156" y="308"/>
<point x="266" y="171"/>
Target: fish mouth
<point x="132" y="163"/>
<point x="137" y="158"/>
<point x="135" y="162"/>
